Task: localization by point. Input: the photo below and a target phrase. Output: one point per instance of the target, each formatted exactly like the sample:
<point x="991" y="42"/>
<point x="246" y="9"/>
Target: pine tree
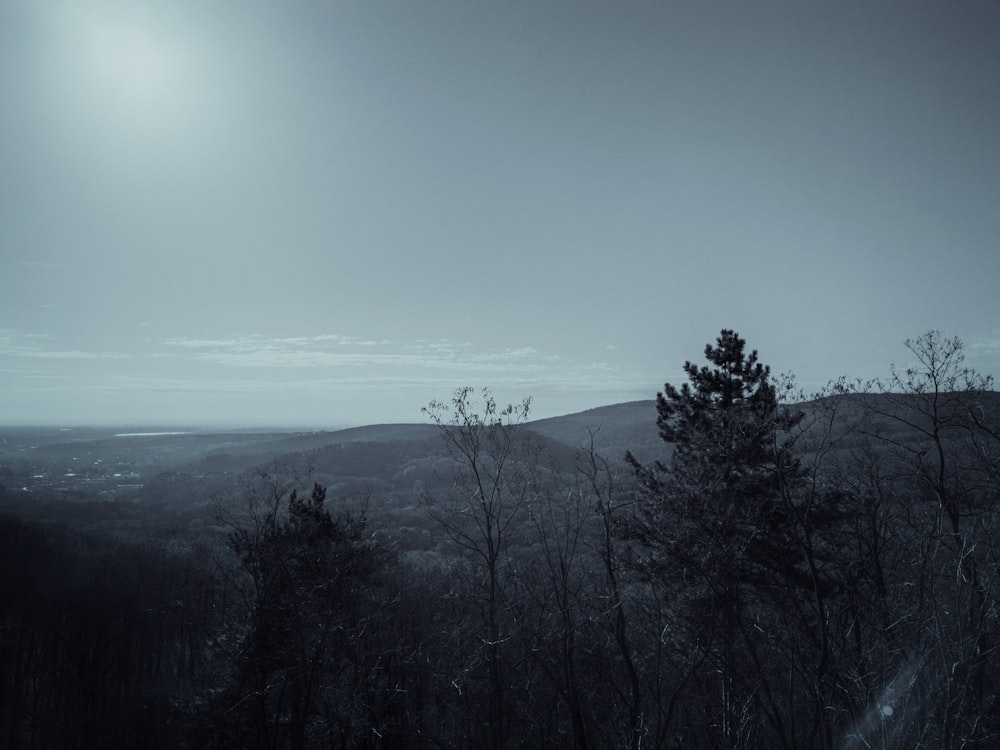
<point x="713" y="516"/>
<point x="731" y="455"/>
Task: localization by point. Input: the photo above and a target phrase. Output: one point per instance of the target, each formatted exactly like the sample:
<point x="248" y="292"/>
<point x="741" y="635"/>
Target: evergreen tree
<point x="714" y="516"/>
<point x="731" y="458"/>
<point x="725" y="424"/>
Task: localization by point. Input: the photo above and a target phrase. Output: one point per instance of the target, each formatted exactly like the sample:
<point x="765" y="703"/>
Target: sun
<point x="126" y="86"/>
<point x="126" y="64"/>
<point x="131" y="63"/>
<point x="133" y="70"/>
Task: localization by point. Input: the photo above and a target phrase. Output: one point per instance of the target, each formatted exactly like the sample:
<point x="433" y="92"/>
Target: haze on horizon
<point x="331" y="213"/>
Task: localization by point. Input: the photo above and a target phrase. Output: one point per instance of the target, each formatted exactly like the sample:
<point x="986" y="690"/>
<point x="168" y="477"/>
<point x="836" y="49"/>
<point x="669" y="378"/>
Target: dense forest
<point x="786" y="573"/>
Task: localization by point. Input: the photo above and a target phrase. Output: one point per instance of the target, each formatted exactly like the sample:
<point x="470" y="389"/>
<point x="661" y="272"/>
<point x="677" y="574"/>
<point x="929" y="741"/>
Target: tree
<point x="492" y="484"/>
<point x="99" y="638"/>
<point x="731" y="457"/>
<point x="932" y="427"/>
<point x="302" y="576"/>
<point x="949" y="408"/>
<point x="596" y="475"/>
<point x="714" y="513"/>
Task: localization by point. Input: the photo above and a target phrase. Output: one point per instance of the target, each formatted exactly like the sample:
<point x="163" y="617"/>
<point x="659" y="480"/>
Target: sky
<point x="328" y="213"/>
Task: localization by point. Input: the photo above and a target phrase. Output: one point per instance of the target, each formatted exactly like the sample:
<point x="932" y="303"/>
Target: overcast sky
<point x="329" y="213"/>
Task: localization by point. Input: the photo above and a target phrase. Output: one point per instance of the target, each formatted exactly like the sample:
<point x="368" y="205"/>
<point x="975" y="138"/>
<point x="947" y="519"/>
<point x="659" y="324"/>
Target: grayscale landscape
<point x="403" y="374"/>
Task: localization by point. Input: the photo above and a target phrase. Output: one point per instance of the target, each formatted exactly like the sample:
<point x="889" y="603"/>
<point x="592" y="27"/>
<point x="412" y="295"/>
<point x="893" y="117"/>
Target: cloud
<point x="332" y="351"/>
<point x="42" y="346"/>
<point x="337" y="363"/>
<point x="16" y="342"/>
<point x="298" y="378"/>
<point x="986" y="345"/>
<point x="76" y="354"/>
<point x="983" y="354"/>
<point x="327" y="359"/>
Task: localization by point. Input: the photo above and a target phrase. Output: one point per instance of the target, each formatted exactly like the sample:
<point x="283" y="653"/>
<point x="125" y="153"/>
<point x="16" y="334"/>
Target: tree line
<point x="789" y="574"/>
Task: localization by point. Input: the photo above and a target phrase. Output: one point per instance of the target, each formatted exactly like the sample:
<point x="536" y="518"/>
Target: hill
<point x="614" y="429"/>
<point x="390" y="463"/>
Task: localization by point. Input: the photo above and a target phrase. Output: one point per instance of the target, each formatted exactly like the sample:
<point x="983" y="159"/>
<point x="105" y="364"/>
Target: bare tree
<point x="923" y="598"/>
<point x="493" y="481"/>
<point x="942" y="407"/>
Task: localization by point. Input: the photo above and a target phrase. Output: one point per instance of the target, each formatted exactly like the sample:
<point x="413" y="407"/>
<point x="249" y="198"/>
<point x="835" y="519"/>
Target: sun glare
<point x="128" y="62"/>
<point x="123" y="86"/>
<point x="132" y="68"/>
<point x="131" y="63"/>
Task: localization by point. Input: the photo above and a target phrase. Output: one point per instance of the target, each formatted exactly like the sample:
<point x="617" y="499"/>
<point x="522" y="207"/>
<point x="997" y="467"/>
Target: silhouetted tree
<point x="948" y="416"/>
<point x="714" y="513"/>
<point x="299" y="661"/>
<point x="932" y="558"/>
<point x="493" y="481"/>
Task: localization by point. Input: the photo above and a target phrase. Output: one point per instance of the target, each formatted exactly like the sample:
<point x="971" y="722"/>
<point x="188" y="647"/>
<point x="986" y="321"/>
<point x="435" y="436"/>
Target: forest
<point x="783" y="571"/>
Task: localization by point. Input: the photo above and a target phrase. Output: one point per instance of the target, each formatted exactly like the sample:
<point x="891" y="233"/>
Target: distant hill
<point x="394" y="462"/>
<point x="615" y="429"/>
<point x="246" y="453"/>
